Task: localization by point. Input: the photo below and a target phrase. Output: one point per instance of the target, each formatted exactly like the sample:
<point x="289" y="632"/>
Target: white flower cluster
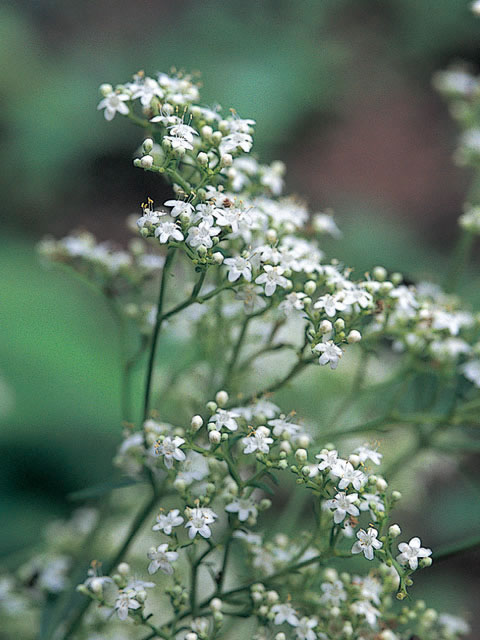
<point x="251" y="279"/>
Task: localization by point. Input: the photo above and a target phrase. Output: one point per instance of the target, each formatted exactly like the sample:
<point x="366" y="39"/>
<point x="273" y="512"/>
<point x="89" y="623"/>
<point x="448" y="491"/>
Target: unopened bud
<point x="354" y="336"/>
<point x="197" y="423"/>
<point x="221" y="398"/>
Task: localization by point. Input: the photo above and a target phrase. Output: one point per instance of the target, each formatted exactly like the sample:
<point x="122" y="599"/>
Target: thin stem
<point x="156" y="331"/>
<point x="136" y="525"/>
<point x="236" y="350"/>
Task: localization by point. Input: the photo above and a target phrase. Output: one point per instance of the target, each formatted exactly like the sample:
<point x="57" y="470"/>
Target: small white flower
<point x="348" y="475"/>
<point x="364" y="608"/>
<point x="333" y="593"/>
<point x="235" y="141"/>
<point x="282" y="426"/>
<point x="367" y="542"/>
<point x="411" y="552"/>
<point x="272" y="277"/>
<point x="224" y="418"/>
<point x="113" y="103"/>
<point x="257" y="441"/>
<point x="167" y="230"/>
<point x="237" y="267"/>
<point x="293" y="302"/>
<point x="169" y="448"/>
<point x="161" y="559"/>
<point x="198" y="521"/>
<point x="366" y="453"/>
<point x="343" y="504"/>
<point x="305" y="629"/>
<point x="285" y="613"/>
<point x="369" y="500"/>
<point x="329" y="459"/>
<point x="330" y="304"/>
<point x="244" y="507"/>
<point x="166" y="523"/>
<point x="125" y="601"/>
<point x="184" y="131"/>
<point x="202" y="235"/>
<point x="179" y="207"/>
<point x="146" y="91"/>
<point x="324" y="223"/>
<point x="330" y="353"/>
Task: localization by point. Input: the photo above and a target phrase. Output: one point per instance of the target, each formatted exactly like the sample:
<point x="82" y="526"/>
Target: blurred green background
<point x="341" y="91"/>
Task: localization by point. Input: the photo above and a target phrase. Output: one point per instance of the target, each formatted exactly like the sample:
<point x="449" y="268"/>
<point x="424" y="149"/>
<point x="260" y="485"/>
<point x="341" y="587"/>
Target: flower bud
<point x="96" y="585"/>
<point x="218" y="257"/>
<point x="381" y="484"/>
<point x="326" y="327"/>
<point x="191" y="635"/>
<point x="123" y="568"/>
<point x="339" y="324"/>
<point x="380" y="273"/>
<point x="221" y="398"/>
<point x="396" y="278"/>
<point x="147" y="145"/>
<point x="212" y="407"/>
<point x="354" y="459"/>
<point x="264" y="504"/>
<point x="147" y="162"/>
<point x="331" y="575"/>
<point x="271" y="236"/>
<point x="202" y="159"/>
<point x="354" y="336"/>
<point x="105" y="89"/>
<point x="396" y="496"/>
<point x="216" y="604"/>
<point x="272" y="597"/>
<point x="425" y="562"/>
<point x="215" y="437"/>
<point x="280" y="636"/>
<point x="301" y="455"/>
<point x="310" y="287"/>
<point x="206" y="131"/>
<point x="394" y="531"/>
<point x="226" y="160"/>
<point x="217" y="137"/>
<point x="196" y="423"/>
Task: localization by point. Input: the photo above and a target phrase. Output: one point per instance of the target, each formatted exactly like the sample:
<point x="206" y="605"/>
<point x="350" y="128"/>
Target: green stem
<point x="74" y="622"/>
<point x="156" y="331"/>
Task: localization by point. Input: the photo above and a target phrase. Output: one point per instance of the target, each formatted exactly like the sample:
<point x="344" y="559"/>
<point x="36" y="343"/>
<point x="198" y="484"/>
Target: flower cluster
<point x="251" y="281"/>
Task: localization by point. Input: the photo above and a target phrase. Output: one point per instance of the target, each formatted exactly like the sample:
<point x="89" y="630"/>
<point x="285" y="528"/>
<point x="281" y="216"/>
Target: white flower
<point x="365" y="453"/>
<point x="146" y="91"/>
<point x="330" y="353"/>
<point x="282" y="426"/>
<point x="305" y="629"/>
<point x="370" y="588"/>
<point x="125" y="601"/>
<point x="184" y="131"/>
<point x="169" y="448"/>
<point x="330" y="304"/>
<point x="343" y="504"/>
<point x="236" y="141"/>
<point x="179" y="207"/>
<point x="285" y="613"/>
<point x="114" y="102"/>
<point x="237" y="267"/>
<point x="224" y="418"/>
<point x="324" y="223"/>
<point x="293" y="302"/>
<point x="202" y="235"/>
<point x="272" y="277"/>
<point x="364" y="608"/>
<point x="367" y="542"/>
<point x="161" y="559"/>
<point x="453" y="624"/>
<point x="369" y="500"/>
<point x="409" y="553"/>
<point x="471" y="371"/>
<point x="358" y="296"/>
<point x="198" y="521"/>
<point x="257" y="441"/>
<point x="251" y="298"/>
<point x="329" y="459"/>
<point x="349" y="475"/>
<point x="167" y="230"/>
<point x="149" y="217"/>
<point x="194" y="468"/>
<point x="333" y="593"/>
<point x="166" y="523"/>
<point x="244" y="507"/>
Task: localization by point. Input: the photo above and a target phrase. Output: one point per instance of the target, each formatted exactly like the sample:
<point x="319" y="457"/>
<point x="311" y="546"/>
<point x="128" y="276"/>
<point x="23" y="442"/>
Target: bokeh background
<point x="341" y="91"/>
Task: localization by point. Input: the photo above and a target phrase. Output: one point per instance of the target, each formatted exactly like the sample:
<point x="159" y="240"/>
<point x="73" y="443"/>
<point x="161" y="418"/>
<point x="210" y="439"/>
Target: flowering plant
<point x="241" y="278"/>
